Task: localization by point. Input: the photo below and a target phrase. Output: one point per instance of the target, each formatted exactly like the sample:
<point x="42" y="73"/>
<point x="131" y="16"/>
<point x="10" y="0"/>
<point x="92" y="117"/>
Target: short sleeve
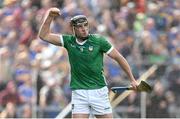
<point x="65" y="39"/>
<point x="106" y="46"/>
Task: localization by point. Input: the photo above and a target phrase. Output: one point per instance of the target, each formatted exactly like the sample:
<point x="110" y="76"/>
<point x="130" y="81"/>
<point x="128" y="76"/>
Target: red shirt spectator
<point x="10" y="94"/>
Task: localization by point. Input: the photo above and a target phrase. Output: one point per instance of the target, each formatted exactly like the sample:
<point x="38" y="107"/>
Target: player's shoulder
<point x="97" y="37"/>
<point x="68" y="37"/>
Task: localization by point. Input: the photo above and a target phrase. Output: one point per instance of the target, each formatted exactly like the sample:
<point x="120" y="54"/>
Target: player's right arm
<point x="45" y="32"/>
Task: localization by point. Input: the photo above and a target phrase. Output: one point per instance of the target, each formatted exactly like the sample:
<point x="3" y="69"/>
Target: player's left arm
<point x="114" y="54"/>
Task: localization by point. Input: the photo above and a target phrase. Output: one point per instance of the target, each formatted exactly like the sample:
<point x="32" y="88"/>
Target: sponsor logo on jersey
<point x="73" y="45"/>
<point x="81" y="49"/>
<point x="90" y="48"/>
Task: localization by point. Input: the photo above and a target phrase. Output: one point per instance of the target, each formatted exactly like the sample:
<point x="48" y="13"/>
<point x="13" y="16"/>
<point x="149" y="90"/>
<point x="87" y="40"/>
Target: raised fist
<point x="54" y="12"/>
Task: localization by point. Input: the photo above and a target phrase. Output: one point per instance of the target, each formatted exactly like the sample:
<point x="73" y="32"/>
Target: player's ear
<point x="71" y="27"/>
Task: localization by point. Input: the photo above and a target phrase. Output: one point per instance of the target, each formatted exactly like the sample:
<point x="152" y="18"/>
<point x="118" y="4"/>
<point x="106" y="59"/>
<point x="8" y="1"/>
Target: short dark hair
<point x="78" y="19"/>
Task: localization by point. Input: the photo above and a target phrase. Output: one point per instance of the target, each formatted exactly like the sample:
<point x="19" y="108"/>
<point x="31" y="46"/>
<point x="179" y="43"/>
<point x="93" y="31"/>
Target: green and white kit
<point x="86" y="60"/>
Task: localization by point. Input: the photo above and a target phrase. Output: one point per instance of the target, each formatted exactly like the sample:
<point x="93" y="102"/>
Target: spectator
<point x="26" y="91"/>
<point x="10" y="94"/>
<point x="158" y="104"/>
<point x="9" y="111"/>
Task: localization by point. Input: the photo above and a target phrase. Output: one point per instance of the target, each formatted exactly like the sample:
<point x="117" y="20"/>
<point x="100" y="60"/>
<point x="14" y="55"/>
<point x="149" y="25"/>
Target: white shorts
<point x="94" y="101"/>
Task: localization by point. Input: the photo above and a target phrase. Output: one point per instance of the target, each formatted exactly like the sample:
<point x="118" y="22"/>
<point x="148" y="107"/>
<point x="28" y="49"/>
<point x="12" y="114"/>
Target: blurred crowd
<point x="34" y="75"/>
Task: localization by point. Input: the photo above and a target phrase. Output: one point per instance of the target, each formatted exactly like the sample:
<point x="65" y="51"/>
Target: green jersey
<point x="86" y="60"/>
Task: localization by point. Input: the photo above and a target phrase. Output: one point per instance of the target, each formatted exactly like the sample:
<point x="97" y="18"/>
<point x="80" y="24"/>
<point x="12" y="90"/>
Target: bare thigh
<point x="80" y="116"/>
<point x="109" y="116"/>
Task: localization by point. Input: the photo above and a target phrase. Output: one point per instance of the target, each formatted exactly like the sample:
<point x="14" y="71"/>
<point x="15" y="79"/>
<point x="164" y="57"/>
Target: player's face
<point x="81" y="30"/>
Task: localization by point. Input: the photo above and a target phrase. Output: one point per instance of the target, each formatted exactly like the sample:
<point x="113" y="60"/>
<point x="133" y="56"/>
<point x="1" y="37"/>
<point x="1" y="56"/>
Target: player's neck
<point x="80" y="42"/>
<point x="81" y="39"/>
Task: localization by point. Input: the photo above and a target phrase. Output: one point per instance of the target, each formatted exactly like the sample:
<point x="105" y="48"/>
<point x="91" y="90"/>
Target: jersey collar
<point x="80" y="43"/>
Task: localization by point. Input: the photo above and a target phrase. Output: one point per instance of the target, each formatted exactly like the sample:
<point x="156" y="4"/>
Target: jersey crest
<point x="81" y="49"/>
<point x="90" y="48"/>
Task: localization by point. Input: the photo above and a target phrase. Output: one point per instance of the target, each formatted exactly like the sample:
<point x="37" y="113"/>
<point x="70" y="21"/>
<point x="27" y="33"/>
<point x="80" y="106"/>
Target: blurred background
<point x="34" y="75"/>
